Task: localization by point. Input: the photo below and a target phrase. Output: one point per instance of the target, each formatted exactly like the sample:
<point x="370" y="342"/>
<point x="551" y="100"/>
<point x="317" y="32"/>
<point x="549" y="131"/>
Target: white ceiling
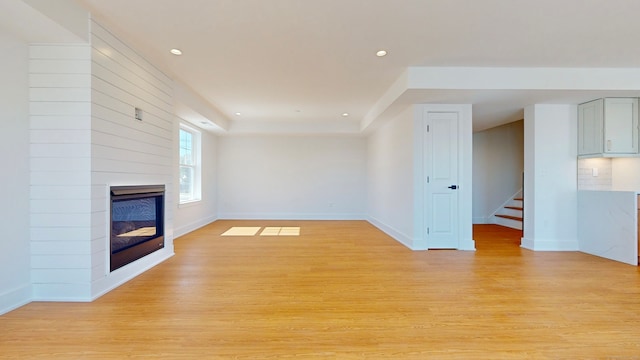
<point x="310" y="61"/>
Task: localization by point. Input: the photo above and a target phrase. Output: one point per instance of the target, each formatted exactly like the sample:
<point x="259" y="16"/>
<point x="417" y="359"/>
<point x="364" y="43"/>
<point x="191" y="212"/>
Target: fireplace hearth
<point x="137" y="223"/>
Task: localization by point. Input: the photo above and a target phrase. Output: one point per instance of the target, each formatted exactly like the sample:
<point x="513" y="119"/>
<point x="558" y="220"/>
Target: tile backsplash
<point x="601" y="167"/>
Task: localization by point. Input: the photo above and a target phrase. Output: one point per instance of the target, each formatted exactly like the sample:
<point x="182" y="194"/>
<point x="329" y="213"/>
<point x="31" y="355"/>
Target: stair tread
<point x="514" y="207"/>
<point x="519" y="199"/>
<point x="517" y="218"/>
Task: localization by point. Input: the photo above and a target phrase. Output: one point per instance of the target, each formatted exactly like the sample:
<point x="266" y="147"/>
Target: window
<point x="189" y="164"/>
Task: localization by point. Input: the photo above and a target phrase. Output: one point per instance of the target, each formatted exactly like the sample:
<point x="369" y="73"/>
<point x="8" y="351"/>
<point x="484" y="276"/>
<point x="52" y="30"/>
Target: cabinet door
<point x="590" y="127"/>
<point x="621" y="125"/>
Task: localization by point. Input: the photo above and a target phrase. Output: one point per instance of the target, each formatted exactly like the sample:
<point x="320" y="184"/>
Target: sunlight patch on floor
<point x="268" y="231"/>
<point x="281" y="231"/>
<point x="242" y="231"/>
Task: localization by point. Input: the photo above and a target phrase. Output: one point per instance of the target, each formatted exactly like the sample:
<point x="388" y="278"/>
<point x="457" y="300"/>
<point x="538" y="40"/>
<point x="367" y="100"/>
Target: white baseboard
<point x="549" y="245"/>
<point x="481" y="220"/>
<point x="514" y="224"/>
<point x="290" y="216"/>
<point x="467" y="245"/>
<point x="15" y="298"/>
<point x="185" y="229"/>
<point x="389" y="230"/>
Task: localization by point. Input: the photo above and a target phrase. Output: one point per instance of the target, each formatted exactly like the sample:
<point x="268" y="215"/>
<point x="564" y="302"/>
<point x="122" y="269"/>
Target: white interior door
<point x="441" y="167"/>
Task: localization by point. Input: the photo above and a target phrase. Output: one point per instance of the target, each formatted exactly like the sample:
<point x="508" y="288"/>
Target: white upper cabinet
<point x="590" y="127"/>
<point x="621" y="125"/>
<point x="608" y="127"/>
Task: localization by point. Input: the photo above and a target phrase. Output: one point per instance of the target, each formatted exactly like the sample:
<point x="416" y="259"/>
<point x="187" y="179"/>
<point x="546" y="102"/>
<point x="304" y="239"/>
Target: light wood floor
<point x="344" y="290"/>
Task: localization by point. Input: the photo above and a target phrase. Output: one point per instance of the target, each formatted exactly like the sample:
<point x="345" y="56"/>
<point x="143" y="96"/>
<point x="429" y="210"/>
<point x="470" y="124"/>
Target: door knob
<point x="453" y="187"/>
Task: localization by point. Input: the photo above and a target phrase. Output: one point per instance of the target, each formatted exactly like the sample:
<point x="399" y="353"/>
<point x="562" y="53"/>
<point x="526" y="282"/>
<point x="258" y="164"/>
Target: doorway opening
<point x="498" y="183"/>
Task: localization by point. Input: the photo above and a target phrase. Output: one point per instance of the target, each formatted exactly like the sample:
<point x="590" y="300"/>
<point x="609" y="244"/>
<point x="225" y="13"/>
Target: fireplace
<point x="137" y="222"/>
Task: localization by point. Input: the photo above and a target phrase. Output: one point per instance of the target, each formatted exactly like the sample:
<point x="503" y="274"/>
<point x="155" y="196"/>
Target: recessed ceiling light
<point x="176" y="51"/>
<point x="381" y="53"/>
<point x="345" y="114"/>
<point x="238" y="114"/>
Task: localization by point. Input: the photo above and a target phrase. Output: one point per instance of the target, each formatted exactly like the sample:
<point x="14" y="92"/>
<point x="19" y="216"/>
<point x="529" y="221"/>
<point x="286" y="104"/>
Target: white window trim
<point x="197" y="150"/>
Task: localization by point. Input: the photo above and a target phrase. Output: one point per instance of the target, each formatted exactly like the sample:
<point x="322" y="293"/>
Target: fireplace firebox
<point x="137" y="222"/>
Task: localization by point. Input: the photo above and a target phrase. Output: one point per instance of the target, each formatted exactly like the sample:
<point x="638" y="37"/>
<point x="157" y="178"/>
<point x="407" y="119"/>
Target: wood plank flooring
<point x="345" y="290"/>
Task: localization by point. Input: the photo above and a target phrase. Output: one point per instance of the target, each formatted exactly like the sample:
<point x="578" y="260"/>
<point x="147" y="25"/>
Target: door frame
<point x="465" y="158"/>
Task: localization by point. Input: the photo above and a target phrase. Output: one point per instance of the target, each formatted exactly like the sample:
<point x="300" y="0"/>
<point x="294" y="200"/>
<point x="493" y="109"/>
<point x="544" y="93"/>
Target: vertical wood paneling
<point x="65" y="66"/>
<point x="83" y="139"/>
<point x="60" y="111"/>
<point x="68" y="52"/>
<point x="64" y="192"/>
<point x="51" y="235"/>
<point x="126" y="151"/>
<point x="60" y="136"/>
<point x="51" y="276"/>
<point x="60" y="81"/>
<point x="129" y="58"/>
<point x="58" y="248"/>
<point x="61" y="291"/>
<point x="124" y="119"/>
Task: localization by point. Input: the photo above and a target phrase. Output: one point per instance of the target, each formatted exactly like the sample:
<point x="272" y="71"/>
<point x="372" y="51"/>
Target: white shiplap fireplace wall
<point x="84" y="139"/>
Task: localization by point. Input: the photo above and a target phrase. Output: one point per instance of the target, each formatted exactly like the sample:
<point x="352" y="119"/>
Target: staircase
<point x="511" y="213"/>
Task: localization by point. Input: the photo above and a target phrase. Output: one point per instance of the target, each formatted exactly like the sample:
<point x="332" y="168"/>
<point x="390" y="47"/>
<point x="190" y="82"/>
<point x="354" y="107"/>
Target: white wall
<point x="498" y="163"/>
<point x="550" y="189"/>
<point x="292" y="177"/>
<point x="191" y="216"/>
<point x="15" y="286"/>
<point x="390" y="174"/>
<point x="625" y="174"/>
<point x="396" y="176"/>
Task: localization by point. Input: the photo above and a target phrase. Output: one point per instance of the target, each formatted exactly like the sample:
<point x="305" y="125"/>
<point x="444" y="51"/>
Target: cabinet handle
<point x="608" y="145"/>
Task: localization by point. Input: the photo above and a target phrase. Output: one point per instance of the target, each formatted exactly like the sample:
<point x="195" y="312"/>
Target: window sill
<point x="189" y="203"/>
